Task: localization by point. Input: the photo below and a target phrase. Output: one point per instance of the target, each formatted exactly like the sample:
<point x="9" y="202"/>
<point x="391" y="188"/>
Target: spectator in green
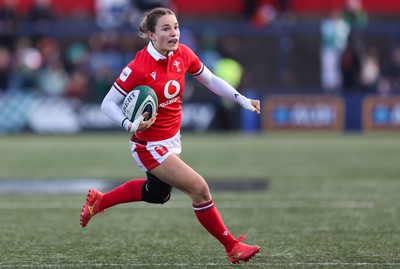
<point x="334" y="34"/>
<point x="354" y="14"/>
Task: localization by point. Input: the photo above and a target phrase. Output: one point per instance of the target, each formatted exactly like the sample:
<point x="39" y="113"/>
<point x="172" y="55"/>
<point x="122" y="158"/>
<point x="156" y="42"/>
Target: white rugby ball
<point x="141" y="99"/>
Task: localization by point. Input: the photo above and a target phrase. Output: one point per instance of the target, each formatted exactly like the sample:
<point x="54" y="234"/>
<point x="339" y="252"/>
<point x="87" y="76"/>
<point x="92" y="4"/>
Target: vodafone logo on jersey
<point x="171" y="89"/>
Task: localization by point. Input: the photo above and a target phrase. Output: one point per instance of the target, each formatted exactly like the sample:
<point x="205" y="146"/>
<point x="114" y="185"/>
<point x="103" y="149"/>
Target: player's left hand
<point x="252" y="105"/>
<point x="256" y="105"/>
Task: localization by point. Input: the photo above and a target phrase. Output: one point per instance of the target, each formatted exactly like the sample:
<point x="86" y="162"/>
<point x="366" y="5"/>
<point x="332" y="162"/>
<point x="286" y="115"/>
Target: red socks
<point x="130" y="191"/>
<point x="207" y="213"/>
<point x="209" y="217"/>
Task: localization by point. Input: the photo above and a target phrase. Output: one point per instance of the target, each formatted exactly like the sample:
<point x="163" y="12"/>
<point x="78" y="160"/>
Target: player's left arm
<point x="223" y="89"/>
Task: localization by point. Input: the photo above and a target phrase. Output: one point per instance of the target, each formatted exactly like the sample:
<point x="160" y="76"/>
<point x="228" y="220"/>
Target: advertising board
<point x="381" y="113"/>
<point x="303" y="112"/>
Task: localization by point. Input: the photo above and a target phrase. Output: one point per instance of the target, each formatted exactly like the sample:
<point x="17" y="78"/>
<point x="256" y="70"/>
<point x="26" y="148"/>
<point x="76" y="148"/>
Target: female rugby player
<point x="155" y="143"/>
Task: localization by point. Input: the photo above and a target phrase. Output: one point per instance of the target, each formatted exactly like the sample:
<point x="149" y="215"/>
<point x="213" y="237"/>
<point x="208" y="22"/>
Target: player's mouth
<point x="173" y="41"/>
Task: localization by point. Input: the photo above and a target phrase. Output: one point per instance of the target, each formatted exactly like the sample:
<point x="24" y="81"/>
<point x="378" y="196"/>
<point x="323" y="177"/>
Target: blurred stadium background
<point x="329" y="65"/>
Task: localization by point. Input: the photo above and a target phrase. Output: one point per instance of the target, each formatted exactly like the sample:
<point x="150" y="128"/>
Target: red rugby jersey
<point x="167" y="78"/>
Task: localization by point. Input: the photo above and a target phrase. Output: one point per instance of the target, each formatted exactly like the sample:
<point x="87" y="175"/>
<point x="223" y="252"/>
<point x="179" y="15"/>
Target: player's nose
<point x="175" y="32"/>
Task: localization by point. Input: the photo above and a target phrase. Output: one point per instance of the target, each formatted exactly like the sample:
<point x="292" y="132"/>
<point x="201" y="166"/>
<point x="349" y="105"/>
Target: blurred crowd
<point x="83" y="68"/>
<point x="86" y="67"/>
<point x="349" y="63"/>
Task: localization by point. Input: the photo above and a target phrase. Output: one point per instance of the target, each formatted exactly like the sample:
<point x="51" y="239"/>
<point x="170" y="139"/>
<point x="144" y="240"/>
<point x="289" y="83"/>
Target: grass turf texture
<point x="332" y="202"/>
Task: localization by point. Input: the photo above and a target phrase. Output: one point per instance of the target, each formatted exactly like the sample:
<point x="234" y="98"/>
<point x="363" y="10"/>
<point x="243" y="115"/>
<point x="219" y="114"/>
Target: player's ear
<point x="151" y="36"/>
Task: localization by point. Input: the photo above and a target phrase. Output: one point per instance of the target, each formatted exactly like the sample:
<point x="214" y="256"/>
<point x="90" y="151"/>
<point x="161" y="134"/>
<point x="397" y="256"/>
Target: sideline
<point x="79" y="185"/>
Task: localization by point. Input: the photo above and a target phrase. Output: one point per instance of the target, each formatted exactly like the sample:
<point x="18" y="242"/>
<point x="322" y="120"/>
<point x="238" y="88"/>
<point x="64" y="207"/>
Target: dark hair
<point x="150" y="19"/>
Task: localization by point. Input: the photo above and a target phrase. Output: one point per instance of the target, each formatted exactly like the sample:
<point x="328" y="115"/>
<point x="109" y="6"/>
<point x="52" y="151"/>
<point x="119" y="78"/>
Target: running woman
<point x="155" y="143"/>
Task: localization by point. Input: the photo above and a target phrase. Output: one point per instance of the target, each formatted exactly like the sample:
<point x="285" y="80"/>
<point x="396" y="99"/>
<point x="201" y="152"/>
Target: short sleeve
<point x="194" y="62"/>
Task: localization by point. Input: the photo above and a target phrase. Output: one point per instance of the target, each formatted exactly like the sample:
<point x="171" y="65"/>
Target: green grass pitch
<point x="332" y="202"/>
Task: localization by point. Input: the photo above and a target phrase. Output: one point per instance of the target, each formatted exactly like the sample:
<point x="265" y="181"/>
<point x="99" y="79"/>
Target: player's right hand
<point x="139" y="125"/>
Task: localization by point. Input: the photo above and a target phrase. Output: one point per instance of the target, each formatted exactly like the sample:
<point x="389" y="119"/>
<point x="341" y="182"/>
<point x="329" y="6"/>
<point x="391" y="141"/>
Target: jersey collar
<point x="155" y="54"/>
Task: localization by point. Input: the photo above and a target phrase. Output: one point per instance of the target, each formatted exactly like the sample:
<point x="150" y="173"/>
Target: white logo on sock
<point x="225" y="233"/>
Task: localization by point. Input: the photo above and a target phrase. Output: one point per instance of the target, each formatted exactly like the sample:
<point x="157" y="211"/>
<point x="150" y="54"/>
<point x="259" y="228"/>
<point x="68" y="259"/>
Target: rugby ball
<point x="141" y="99"/>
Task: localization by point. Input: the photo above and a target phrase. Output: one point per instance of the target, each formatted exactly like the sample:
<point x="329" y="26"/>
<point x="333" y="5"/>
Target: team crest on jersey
<point x="161" y="150"/>
<point x="125" y="74"/>
<point x="153" y="74"/>
<point x="177" y="65"/>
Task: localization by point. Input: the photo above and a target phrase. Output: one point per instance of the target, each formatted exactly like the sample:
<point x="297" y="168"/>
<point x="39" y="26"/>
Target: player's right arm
<point x="111" y="106"/>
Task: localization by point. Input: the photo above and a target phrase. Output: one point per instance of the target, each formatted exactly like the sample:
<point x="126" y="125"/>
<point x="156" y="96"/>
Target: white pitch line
<point x="196" y="265"/>
<point x="187" y="205"/>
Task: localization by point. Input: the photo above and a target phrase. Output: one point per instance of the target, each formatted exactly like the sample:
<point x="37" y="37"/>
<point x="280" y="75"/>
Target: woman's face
<point x="166" y="35"/>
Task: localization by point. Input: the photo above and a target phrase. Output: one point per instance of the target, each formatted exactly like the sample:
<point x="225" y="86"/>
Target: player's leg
<point x="96" y="201"/>
<point x="155" y="191"/>
<point x="130" y="191"/>
<point x="178" y="174"/>
<point x="151" y="190"/>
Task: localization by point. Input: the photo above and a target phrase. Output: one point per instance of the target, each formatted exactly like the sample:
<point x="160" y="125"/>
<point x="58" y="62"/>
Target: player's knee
<point x="156" y="191"/>
<point x="200" y="193"/>
<point x="156" y="197"/>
